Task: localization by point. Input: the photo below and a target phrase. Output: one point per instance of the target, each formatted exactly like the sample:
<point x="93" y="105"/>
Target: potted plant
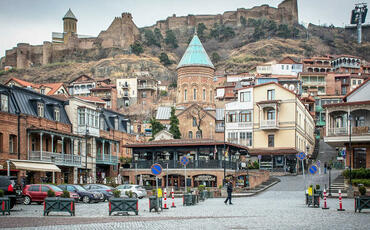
<point x="202" y="192"/>
<point x="362" y="190"/>
<point x="154" y="201"/>
<point x="188" y="198"/>
<point x="4" y="203"/>
<point x="64" y="203"/>
<point x="118" y="204"/>
<point x="362" y="201"/>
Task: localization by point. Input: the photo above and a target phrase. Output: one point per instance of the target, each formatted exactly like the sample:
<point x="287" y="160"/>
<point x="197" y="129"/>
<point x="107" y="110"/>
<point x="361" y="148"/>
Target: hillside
<point x="231" y="48"/>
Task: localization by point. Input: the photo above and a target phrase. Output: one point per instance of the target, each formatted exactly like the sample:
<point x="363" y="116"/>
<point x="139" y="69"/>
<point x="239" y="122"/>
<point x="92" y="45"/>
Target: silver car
<point x="138" y="191"/>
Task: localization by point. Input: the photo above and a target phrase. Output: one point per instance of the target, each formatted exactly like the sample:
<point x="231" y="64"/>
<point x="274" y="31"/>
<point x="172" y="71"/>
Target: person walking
<point x="325" y="167"/>
<point x="229" y="191"/>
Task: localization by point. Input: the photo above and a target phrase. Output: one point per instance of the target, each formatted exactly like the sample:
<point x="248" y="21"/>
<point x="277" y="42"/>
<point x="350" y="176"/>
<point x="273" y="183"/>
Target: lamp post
<point x="237" y="155"/>
<point x="86" y="135"/>
<point x="350" y="147"/>
<point x="248" y="156"/>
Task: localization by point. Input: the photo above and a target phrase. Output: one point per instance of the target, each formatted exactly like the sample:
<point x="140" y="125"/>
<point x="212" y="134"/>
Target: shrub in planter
<point x="129" y="194"/>
<point x="188" y="190"/>
<point x="317" y="187"/>
<point x="51" y="193"/>
<point x="65" y="194"/>
<point x="118" y="204"/>
<point x="201" y="187"/>
<point x="117" y="193"/>
<point x="362" y="190"/>
<point x="2" y="193"/>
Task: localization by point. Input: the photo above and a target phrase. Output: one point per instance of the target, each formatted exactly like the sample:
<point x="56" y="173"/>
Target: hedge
<point x="357" y="173"/>
<point x="365" y="182"/>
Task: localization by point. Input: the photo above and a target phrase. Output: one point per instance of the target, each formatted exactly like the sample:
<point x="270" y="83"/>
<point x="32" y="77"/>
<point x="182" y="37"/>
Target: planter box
<point x="203" y="195"/>
<point x="153" y="204"/>
<point x="195" y="199"/>
<point x="5" y="205"/>
<point x="362" y="202"/>
<point x="57" y="204"/>
<point x="187" y="199"/>
<point x="123" y="205"/>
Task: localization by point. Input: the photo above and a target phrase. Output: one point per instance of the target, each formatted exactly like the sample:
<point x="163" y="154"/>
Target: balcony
<point x="87" y="130"/>
<point x="195" y="164"/>
<point x="245" y="124"/>
<point x="269" y="124"/>
<point x="106" y="159"/>
<point x="151" y="87"/>
<point x="57" y="158"/>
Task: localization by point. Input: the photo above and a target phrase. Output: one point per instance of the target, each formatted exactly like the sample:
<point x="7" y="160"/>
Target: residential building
<point x="147" y="90"/>
<point x="347" y="126"/>
<point x="46" y="88"/>
<point x="36" y="137"/>
<point x="126" y="91"/>
<point x="286" y="66"/>
<point x="81" y="85"/>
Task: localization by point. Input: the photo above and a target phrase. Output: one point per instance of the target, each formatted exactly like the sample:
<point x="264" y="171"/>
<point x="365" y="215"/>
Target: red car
<point x="38" y="192"/>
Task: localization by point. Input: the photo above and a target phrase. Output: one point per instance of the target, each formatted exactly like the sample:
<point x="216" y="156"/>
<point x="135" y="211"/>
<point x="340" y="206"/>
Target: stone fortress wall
<point x="123" y="32"/>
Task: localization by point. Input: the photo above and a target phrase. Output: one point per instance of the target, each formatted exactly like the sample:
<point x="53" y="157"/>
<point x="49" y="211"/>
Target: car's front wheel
<point x="27" y="200"/>
<point x="86" y="199"/>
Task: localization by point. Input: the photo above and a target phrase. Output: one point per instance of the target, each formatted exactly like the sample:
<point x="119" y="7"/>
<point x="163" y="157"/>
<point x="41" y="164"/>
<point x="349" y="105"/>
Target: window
<point x="245" y="116"/>
<point x="190" y="135"/>
<point x="194" y="94"/>
<point x="40" y="109"/>
<point x="116" y="123"/>
<point x="79" y="147"/>
<point x="249" y="139"/>
<point x="359" y="82"/>
<point x="143" y="95"/>
<point x="233" y="137"/>
<point x="282" y="67"/>
<point x="56" y="114"/>
<point x="12" y="143"/>
<point x="353" y="82"/>
<point x="198" y="135"/>
<point x="102" y="123"/>
<point x="4" y="103"/>
<point x="245" y="96"/>
<point x="185" y="94"/>
<point x="42" y="91"/>
<point x="210" y="95"/>
<point x="81" y="116"/>
<point x="231" y="117"/>
<point x="204" y="94"/>
<point x="1" y="142"/>
<point x="44" y="188"/>
<point x="34" y="188"/>
<point x="271" y="140"/>
<point x="360" y="121"/>
<point x="271" y="94"/>
<point x="88" y="149"/>
<point x="271" y="114"/>
<point x="194" y="122"/>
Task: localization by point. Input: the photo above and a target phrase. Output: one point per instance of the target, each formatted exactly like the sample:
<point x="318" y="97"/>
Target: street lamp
<point x="237" y="155"/>
<point x="350" y="148"/>
<point x="86" y="135"/>
<point x="248" y="156"/>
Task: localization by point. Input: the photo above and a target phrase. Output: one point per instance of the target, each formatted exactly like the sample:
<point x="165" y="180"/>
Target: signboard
<point x="259" y="157"/>
<point x="318" y="163"/>
<point x="343" y="153"/>
<point x="313" y="169"/>
<point x="301" y="156"/>
<point x="156" y="169"/>
<point x="184" y="160"/>
<point x="205" y="178"/>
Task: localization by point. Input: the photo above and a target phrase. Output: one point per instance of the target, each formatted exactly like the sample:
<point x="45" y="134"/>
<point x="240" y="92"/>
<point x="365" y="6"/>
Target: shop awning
<point x="35" y="166"/>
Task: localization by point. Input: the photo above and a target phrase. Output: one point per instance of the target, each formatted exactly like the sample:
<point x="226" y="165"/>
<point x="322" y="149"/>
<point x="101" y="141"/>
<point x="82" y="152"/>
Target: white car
<point x="138" y="191"/>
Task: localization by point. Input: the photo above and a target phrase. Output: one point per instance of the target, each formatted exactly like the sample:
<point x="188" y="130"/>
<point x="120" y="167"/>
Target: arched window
<point x="190" y="135"/>
<point x="194" y="122"/>
<point x="210" y="96"/>
<point x="185" y="94"/>
<point x="198" y="135"/>
<point x="195" y="94"/>
<point x="204" y="94"/>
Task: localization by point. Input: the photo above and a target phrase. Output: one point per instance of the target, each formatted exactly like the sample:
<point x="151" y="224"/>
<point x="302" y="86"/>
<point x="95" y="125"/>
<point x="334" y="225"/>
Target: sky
<point x="33" y="21"/>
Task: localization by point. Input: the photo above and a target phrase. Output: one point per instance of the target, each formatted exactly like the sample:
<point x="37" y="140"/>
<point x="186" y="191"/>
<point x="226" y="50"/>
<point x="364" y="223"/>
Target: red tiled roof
<point x="272" y="151"/>
<point x="22" y="83"/>
<point x="288" y="60"/>
<point x="54" y="87"/>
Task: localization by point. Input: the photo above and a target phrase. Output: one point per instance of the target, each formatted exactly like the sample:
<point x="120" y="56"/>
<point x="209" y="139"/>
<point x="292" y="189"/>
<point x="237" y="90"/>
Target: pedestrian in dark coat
<point x="325" y="167"/>
<point x="229" y="191"/>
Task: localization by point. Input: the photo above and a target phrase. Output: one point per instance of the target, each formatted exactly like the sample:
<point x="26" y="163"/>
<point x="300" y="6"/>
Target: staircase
<point x="336" y="185"/>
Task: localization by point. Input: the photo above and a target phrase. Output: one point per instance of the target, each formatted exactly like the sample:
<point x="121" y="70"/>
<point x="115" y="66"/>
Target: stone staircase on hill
<point x="336" y="185"/>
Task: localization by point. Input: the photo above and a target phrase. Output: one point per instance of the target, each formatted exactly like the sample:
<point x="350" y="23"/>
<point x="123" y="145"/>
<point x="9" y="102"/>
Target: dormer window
<point x="4" y="103"/>
<point x="116" y="123"/>
<point x="42" y="91"/>
<point x="102" y="123"/>
<point x="56" y="114"/>
<point x="40" y="109"/>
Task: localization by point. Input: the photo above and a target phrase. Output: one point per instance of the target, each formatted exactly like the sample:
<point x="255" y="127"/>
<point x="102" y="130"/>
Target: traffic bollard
<point x="340" y="202"/>
<point x="325" y="205"/>
<point x="165" y="199"/>
<point x="173" y="199"/>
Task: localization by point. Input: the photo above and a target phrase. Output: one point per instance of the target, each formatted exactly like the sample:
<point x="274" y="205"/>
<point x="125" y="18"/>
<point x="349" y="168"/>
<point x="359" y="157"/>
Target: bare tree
<point x="197" y="113"/>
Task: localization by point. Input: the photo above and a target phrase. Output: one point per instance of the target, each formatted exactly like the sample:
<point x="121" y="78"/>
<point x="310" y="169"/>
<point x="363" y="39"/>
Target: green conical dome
<point x="195" y="55"/>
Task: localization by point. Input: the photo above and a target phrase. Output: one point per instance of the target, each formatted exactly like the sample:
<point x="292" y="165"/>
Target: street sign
<point x="343" y="152"/>
<point x="301" y="156"/>
<point x="313" y="169"/>
<point x="318" y="163"/>
<point x="156" y="169"/>
<point x="259" y="157"/>
<point x="184" y="160"/>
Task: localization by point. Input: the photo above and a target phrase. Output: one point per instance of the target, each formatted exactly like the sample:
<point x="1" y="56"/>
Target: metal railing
<point x="363" y="130"/>
<point x="107" y="159"/>
<point x="268" y="124"/>
<point x="57" y="158"/>
<point x="195" y="164"/>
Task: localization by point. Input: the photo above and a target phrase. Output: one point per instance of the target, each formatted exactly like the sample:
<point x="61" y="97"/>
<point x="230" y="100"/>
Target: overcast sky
<point x="33" y="21"/>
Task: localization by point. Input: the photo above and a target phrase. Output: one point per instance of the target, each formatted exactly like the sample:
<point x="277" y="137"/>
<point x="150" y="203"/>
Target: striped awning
<point x="35" y="166"/>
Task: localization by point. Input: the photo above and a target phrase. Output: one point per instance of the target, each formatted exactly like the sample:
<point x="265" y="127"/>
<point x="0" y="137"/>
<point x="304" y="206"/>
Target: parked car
<point x="38" y="192"/>
<point x="138" y="191"/>
<point x="84" y="195"/>
<point x="7" y="184"/>
<point x="106" y="190"/>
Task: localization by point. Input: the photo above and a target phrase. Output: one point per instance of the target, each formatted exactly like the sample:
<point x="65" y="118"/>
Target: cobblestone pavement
<point x="280" y="207"/>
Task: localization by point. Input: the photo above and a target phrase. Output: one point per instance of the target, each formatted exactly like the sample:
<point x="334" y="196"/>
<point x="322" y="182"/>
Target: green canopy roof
<point x="195" y="55"/>
<point x="70" y="15"/>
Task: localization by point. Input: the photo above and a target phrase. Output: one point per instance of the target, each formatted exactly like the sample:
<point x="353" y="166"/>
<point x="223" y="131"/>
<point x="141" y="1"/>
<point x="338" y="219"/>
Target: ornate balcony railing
<point x="195" y="164"/>
<point x="106" y="159"/>
<point x="57" y="158"/>
<point x="269" y="124"/>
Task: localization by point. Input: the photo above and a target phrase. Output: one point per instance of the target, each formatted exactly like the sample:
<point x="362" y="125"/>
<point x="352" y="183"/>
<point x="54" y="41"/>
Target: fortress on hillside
<point x="69" y="45"/>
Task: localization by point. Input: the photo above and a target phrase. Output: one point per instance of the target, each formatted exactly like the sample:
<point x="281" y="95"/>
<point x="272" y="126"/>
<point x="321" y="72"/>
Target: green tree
<point x="171" y="39"/>
<point x="200" y="31"/>
<point x="137" y="48"/>
<point x="283" y="31"/>
<point x="156" y="126"/>
<point x="215" y="57"/>
<point x="221" y="32"/>
<point x="163" y="58"/>
<point x="150" y="38"/>
<point x="158" y="35"/>
<point x="243" y="21"/>
<point x="174" y="122"/>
